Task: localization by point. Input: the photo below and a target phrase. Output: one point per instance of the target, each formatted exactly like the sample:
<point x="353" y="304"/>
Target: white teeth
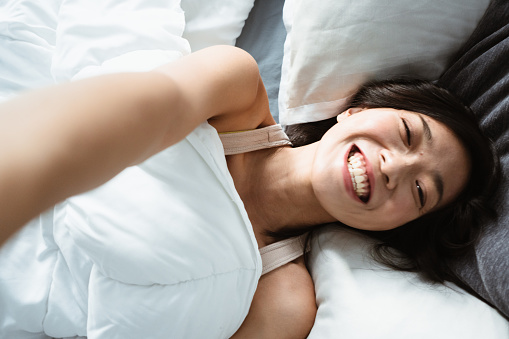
<point x="362" y="185"/>
<point x="357" y="171"/>
<point x="360" y="180"/>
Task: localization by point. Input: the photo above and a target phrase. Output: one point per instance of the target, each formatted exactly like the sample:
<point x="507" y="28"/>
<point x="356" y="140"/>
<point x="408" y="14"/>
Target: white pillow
<point x="358" y="298"/>
<point x="334" y="46"/>
<point x="214" y="22"/>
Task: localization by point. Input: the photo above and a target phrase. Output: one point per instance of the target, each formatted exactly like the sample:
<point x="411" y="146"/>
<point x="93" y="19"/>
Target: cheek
<point x="392" y="213"/>
<point x="327" y="176"/>
<point x="397" y="211"/>
<point x="373" y="124"/>
<point x="327" y="187"/>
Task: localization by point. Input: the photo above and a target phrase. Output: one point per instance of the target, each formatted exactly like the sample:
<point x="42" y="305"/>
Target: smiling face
<point x="381" y="168"/>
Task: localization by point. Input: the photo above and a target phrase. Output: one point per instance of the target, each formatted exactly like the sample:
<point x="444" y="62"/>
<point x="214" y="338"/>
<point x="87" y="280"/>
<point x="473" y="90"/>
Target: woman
<point x="376" y="169"/>
<point x="413" y="182"/>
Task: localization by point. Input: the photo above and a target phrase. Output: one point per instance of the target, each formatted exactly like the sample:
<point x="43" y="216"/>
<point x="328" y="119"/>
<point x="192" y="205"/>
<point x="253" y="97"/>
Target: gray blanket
<point x="479" y="74"/>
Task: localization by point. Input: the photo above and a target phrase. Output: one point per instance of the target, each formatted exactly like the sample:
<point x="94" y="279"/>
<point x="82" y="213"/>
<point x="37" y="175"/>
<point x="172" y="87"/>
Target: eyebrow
<point x="437" y="178"/>
<point x="426" y="129"/>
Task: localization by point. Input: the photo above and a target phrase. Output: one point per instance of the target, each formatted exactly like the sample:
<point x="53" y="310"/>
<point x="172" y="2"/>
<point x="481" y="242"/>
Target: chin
<point x="366" y="226"/>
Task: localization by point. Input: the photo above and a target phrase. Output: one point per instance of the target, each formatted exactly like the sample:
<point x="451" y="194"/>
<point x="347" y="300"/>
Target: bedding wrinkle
<point x="214" y="22"/>
<point x="27" y="263"/>
<point x="102" y="37"/>
<point x="30" y="22"/>
<point x="40" y="18"/>
<point x="27" y="43"/>
<point x="20" y="31"/>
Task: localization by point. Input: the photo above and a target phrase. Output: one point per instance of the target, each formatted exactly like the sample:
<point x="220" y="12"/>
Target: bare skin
<point x="283" y="306"/>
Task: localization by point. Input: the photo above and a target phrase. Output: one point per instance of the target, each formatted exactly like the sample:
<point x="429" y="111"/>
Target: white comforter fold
<point x="97" y="37"/>
<point x="27" y="43"/>
<point x="172" y="256"/>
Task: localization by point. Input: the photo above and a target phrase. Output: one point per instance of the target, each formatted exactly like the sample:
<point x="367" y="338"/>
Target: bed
<point x="311" y="57"/>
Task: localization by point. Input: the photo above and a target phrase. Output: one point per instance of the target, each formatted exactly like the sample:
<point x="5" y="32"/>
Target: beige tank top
<point x="282" y="252"/>
<point x="253" y="140"/>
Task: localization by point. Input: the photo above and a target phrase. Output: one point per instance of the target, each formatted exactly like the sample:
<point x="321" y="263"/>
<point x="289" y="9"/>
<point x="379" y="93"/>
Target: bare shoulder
<point x="215" y="82"/>
<point x="222" y="84"/>
<point x="247" y="94"/>
<point x="284" y="305"/>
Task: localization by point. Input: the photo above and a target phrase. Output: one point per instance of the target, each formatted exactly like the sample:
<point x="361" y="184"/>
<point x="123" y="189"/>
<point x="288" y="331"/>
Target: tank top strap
<point x="282" y="252"/>
<point x="253" y="140"/>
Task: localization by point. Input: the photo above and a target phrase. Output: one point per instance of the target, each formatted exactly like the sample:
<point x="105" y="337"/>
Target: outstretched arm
<point x="63" y="140"/>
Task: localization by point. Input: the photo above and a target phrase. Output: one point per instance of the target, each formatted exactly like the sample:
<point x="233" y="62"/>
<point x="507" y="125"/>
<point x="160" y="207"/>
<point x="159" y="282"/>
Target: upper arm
<point x="216" y="83"/>
<point x="65" y="139"/>
<point x="284" y="305"/>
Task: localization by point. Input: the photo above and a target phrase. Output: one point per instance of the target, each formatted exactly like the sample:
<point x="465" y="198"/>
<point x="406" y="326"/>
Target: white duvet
<point x="58" y="40"/>
<point x="163" y="250"/>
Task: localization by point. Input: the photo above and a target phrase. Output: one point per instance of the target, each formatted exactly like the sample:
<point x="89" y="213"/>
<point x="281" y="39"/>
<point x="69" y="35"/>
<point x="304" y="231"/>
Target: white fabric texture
<point x="27" y="262"/>
<point x="27" y="42"/>
<point x="334" y="46"/>
<point x="358" y="298"/>
<point x="153" y="253"/>
<point x="98" y="37"/>
<point x="61" y="40"/>
<point x="214" y="22"/>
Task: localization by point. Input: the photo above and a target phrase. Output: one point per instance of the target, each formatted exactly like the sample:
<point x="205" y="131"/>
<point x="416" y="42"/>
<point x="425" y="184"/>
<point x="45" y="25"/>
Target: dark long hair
<point x="427" y="244"/>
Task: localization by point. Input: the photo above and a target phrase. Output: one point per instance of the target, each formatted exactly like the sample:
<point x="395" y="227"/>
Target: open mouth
<point x="359" y="174"/>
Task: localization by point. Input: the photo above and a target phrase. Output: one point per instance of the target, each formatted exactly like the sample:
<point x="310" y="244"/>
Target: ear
<point x="348" y="113"/>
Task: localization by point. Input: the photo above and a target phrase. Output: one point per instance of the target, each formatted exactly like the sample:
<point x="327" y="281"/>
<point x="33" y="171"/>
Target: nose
<point x="396" y="166"/>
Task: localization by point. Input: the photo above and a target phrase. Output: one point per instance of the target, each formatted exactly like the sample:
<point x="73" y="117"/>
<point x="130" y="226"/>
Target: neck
<point x="275" y="186"/>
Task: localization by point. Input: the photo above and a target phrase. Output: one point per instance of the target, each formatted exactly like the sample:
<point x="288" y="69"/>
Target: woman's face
<point x="404" y="164"/>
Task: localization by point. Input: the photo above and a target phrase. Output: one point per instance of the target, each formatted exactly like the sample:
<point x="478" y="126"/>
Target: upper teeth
<point x="357" y="169"/>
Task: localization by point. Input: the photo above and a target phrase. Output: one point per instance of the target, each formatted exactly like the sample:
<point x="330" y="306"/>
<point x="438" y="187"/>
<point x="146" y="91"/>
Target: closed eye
<point x="408" y="134"/>
<point x="420" y="193"/>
